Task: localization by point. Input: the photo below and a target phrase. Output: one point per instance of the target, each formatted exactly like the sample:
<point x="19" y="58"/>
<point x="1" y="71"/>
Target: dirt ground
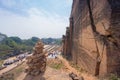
<point x="57" y="69"/>
<point x="54" y="71"/>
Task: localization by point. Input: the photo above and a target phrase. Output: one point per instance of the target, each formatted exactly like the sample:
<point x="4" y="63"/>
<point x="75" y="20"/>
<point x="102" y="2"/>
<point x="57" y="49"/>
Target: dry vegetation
<point x="90" y="77"/>
<point x="1" y="62"/>
<point x="14" y="73"/>
<point x="55" y="63"/>
<point x="83" y="73"/>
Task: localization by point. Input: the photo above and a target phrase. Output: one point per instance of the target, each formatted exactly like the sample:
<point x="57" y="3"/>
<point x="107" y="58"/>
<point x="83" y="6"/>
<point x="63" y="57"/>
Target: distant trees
<point x="8" y="44"/>
<point x="57" y="41"/>
<point x="15" y="43"/>
<point x="2" y="36"/>
<point x="31" y="42"/>
<point x="4" y="47"/>
<point x="35" y="39"/>
<point x="16" y="39"/>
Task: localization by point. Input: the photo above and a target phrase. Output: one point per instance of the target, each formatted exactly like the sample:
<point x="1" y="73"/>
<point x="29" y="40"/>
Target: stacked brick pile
<point x="36" y="62"/>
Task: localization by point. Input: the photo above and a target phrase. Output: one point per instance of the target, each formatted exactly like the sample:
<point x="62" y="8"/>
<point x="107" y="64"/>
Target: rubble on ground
<point x="75" y="77"/>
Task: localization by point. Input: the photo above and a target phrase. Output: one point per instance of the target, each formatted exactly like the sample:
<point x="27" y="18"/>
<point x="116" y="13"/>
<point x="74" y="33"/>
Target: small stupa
<point x="37" y="62"/>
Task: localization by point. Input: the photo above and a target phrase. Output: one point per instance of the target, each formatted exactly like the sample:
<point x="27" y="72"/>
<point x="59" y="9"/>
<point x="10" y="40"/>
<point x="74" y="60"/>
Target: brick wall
<point x="95" y="45"/>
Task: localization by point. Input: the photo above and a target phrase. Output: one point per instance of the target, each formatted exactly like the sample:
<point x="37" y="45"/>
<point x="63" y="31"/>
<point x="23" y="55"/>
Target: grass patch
<point x="113" y="77"/>
<point x="55" y="63"/>
<point x="19" y="70"/>
<point x="1" y="62"/>
<point x="110" y="77"/>
<point x="16" y="71"/>
<point x="77" y="67"/>
<point x="56" y="66"/>
<point x="7" y="77"/>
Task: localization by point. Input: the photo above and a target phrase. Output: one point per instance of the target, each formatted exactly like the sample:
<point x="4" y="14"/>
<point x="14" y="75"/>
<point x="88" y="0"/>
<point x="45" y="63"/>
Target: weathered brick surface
<point x="94" y="44"/>
<point x="37" y="62"/>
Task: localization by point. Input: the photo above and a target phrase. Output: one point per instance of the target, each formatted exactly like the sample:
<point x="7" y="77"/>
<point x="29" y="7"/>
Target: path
<point x="67" y="65"/>
<point x="10" y="67"/>
<point x="50" y="74"/>
<point x="71" y="69"/>
<point x="53" y="74"/>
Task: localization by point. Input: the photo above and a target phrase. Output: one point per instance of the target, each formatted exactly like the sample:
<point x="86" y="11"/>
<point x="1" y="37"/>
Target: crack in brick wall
<point x="92" y="40"/>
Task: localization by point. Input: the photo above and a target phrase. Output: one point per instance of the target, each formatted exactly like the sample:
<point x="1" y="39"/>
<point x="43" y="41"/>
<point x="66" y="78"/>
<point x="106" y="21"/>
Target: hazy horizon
<point x="39" y="18"/>
<point x="33" y="36"/>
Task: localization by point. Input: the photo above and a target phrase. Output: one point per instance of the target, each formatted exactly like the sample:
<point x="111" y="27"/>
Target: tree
<point x="16" y="39"/>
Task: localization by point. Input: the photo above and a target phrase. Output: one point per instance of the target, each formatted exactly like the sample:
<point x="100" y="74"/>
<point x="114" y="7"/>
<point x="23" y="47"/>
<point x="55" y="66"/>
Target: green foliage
<point x="29" y="42"/>
<point x="16" y="39"/>
<point x="15" y="43"/>
<point x="57" y="41"/>
<point x="4" y="47"/>
<point x="35" y="39"/>
<point x="3" y="53"/>
<point x="56" y="65"/>
<point x="25" y="47"/>
<point x="113" y="77"/>
<point x="2" y="36"/>
<point x="1" y="62"/>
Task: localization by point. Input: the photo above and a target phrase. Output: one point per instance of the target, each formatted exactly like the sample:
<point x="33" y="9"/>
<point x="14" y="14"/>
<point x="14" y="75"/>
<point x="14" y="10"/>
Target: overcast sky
<point x="40" y="18"/>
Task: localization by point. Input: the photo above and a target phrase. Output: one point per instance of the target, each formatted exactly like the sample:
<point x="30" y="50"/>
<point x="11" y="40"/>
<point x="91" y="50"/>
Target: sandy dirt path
<point x="67" y="65"/>
<point x="10" y="67"/>
<point x="50" y="74"/>
<point x="86" y="76"/>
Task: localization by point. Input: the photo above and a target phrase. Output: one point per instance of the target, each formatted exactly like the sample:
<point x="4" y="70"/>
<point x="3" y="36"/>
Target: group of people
<point x="54" y="54"/>
<point x="14" y="60"/>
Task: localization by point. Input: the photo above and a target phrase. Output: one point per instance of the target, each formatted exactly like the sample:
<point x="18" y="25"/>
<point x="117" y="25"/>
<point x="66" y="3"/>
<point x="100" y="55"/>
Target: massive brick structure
<point x="92" y="40"/>
<point x="67" y="44"/>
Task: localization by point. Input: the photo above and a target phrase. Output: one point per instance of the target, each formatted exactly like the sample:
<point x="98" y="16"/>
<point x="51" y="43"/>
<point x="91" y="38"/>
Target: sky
<point x="40" y="18"/>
